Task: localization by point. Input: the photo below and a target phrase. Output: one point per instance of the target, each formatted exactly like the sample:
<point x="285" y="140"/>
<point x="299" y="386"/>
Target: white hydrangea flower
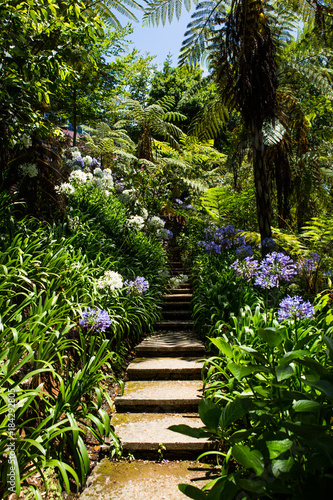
<point x="65" y="188"/>
<point x="127" y="196"/>
<point x="26" y="140"/>
<point x="110" y="280"/>
<point x="106" y="193"/>
<point x="78" y="177"/>
<point x="97" y="183"/>
<point x="89" y="176"/>
<point x="107" y="171"/>
<point x="75" y="152"/>
<point x="156" y="223"/>
<point x="162" y="233"/>
<point x="108" y="181"/>
<point x="29" y="169"/>
<point x="135" y="222"/>
<point x="87" y="160"/>
<point x="144" y="213"/>
<point x="98" y="172"/>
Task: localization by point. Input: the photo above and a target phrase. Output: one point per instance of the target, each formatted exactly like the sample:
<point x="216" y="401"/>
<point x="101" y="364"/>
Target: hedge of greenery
<point x="268" y="387"/>
<point x="73" y="297"/>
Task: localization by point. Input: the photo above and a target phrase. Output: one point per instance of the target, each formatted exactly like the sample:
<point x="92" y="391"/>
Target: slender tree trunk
<point x="74" y="117"/>
<point x="262" y="187"/>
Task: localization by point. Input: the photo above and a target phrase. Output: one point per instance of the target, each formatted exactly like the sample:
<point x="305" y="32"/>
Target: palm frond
<point x="161" y="10"/>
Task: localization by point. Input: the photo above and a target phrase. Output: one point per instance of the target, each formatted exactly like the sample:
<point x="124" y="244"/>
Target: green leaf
<point x="233" y="411"/>
<point x="323" y="386"/>
<point x="329" y="342"/>
<point x="272" y="336"/>
<point x="241" y="371"/>
<point x="192" y="492"/>
<point x="285" y="371"/>
<point x="277" y="447"/>
<point x="279" y="466"/>
<point x="209" y="413"/>
<point x="223" y="346"/>
<point x="255" y="486"/>
<point x="306" y="405"/>
<point x="250" y="459"/>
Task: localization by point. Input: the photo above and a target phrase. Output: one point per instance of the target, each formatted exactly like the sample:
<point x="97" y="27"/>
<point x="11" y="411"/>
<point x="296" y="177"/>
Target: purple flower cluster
<point x="244" y="251"/>
<point x="268" y="243"/>
<point x="225" y="238"/>
<point x="180" y="202"/>
<point x="120" y="186"/>
<point x="274" y="268"/>
<point x="95" y="319"/>
<point x="170" y="234"/>
<point x="246" y="268"/>
<point x="138" y="286"/>
<point x="295" y="307"/>
<point x="310" y="264"/>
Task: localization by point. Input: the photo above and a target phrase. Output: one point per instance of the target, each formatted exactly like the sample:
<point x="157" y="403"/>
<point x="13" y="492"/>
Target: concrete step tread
<point x="174" y="296"/>
<point x="165" y="368"/>
<point x="138" y="431"/>
<point x="160" y="392"/>
<point x="170" y="339"/>
<point x="123" y="480"/>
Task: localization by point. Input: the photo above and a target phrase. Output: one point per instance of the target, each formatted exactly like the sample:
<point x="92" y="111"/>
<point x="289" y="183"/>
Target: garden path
<point x="163" y="388"/>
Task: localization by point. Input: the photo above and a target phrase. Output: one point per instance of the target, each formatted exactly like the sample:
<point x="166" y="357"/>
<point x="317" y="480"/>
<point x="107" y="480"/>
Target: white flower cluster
<point x="144" y="213"/>
<point x="29" y="169"/>
<point x="162" y="233"/>
<point x="26" y="141"/>
<point x="110" y="280"/>
<point x="176" y="281"/>
<point x="87" y="160"/>
<point x="78" y="177"/>
<point x="127" y="196"/>
<point x="135" y="222"/>
<point x="155" y="223"/>
<point x="65" y="188"/>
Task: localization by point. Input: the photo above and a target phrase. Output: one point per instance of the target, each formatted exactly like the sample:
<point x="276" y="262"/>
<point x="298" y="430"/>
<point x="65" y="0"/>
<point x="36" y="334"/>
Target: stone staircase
<point x="163" y="388"/>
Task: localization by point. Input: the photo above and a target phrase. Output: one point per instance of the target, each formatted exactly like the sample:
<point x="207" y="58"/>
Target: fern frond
<point x="273" y="133"/>
<point x="159" y="10"/>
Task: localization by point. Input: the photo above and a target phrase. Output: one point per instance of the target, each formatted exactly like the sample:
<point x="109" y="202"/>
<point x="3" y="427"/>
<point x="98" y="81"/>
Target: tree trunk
<point x="262" y="188"/>
<point x="74" y="118"/>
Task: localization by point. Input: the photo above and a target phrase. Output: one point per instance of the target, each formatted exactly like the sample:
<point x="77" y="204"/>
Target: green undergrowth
<point x="55" y="374"/>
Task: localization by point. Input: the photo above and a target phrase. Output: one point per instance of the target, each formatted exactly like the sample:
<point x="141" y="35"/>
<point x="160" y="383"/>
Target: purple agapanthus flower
<point x="246" y="268"/>
<point x="295" y="307"/>
<point x="310" y="264"/>
<point x="95" y="319"/>
<point x="244" y="251"/>
<point x="170" y="234"/>
<point x="180" y="202"/>
<point x="268" y="243"/>
<point x="138" y="286"/>
<point x="274" y="268"/>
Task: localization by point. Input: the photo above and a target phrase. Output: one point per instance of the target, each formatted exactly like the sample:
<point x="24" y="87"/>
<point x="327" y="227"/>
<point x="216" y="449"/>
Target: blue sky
<point x="161" y="40"/>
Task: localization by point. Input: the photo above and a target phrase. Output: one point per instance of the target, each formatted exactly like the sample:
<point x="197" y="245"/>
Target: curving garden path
<point x="163" y="388"/>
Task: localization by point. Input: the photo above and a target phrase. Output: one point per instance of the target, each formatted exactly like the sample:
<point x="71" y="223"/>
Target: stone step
<point x="145" y="480"/>
<point x="172" y="343"/>
<point x="165" y="368"/>
<point x="174" y="325"/>
<point x="176" y="305"/>
<point x="144" y="433"/>
<point x="181" y="314"/>
<point x="184" y="290"/>
<point x="185" y="297"/>
<point x="160" y="396"/>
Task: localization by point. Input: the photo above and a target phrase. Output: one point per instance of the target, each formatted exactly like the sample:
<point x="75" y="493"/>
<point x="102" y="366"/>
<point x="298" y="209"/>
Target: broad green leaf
<point x="192" y="492"/>
<point x="323" y="386"/>
<point x="279" y="466"/>
<point x="277" y="447"/>
<point x="253" y="485"/>
<point x="241" y="371"/>
<point x="329" y="342"/>
<point x="234" y="411"/>
<point x="223" y="346"/>
<point x="306" y="405"/>
<point x="209" y="413"/>
<point x="250" y="459"/>
<point x="285" y="371"/>
<point x="271" y="336"/>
